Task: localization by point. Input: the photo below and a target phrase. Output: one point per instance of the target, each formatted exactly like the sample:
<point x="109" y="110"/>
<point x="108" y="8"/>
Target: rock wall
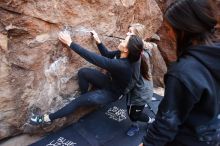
<point x="218" y="26"/>
<point x="38" y="73"/>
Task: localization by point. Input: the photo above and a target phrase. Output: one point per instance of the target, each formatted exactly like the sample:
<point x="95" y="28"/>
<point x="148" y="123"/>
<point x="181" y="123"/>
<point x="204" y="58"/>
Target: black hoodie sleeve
<point x="104" y="51"/>
<point x="172" y="112"/>
<point x="112" y="65"/>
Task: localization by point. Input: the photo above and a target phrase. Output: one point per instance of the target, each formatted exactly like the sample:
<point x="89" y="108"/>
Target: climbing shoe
<point x="39" y="119"/>
<point x="134" y="129"/>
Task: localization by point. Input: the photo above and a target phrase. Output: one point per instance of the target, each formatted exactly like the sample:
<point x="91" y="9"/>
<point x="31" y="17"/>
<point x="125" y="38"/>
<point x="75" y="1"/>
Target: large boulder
<point x="37" y="73"/>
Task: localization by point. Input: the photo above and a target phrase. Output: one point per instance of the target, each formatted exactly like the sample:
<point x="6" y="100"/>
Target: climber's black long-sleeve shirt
<point x="120" y="69"/>
<point x="109" y="54"/>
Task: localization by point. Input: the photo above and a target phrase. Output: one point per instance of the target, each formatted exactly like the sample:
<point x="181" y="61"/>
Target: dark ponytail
<point x="135" y="47"/>
<point x="144" y="67"/>
<point x="193" y="20"/>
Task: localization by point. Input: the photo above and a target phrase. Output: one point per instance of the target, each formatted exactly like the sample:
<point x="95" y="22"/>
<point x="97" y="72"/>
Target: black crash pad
<point x="105" y="127"/>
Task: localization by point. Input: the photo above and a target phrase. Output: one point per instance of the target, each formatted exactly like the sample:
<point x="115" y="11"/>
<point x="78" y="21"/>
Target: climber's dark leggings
<point x="94" y="77"/>
<point x="101" y="96"/>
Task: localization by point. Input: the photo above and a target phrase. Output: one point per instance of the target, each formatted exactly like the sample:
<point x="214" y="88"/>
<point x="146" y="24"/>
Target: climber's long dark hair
<point x="135" y="48"/>
<point x="144" y="67"/>
<point x="193" y="20"/>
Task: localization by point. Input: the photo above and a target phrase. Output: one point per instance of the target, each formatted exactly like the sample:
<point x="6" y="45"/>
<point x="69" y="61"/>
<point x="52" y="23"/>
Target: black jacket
<point x="120" y="69"/>
<point x="189" y="114"/>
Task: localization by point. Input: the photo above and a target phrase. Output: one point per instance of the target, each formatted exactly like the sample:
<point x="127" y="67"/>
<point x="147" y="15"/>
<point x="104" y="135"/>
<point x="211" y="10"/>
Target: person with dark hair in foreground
<point x="108" y="87"/>
<point x="189" y="113"/>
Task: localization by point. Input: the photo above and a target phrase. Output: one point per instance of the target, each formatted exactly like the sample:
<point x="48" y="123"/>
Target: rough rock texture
<point x="38" y="73"/>
<point x="159" y="67"/>
<point x="218" y="26"/>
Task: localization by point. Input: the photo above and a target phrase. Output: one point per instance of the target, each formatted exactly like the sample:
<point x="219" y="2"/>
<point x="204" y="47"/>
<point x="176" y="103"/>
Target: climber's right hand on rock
<point x="65" y="38"/>
<point x="95" y="37"/>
